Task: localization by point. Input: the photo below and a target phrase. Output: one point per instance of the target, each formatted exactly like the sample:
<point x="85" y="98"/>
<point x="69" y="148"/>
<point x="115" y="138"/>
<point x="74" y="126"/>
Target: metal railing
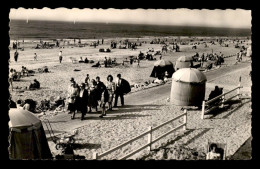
<point x="149" y="141"/>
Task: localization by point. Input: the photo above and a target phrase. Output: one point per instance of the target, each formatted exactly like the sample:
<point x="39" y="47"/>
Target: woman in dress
<point x="73" y="93"/>
<point x="110" y="85"/>
<point x="92" y="102"/>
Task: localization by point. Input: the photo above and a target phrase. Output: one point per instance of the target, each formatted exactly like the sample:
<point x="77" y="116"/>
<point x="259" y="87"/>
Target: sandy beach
<point x="232" y="125"/>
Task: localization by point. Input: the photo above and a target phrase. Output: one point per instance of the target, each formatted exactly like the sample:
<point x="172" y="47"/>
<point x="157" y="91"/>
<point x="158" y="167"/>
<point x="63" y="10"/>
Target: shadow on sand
<point x="229" y="105"/>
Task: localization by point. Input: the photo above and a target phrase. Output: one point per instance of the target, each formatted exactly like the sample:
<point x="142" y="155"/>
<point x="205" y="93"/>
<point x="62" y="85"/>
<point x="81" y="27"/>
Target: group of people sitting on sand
<point x="93" y="93"/>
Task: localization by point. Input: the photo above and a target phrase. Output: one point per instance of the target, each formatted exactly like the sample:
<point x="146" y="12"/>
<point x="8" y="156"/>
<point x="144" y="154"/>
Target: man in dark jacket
<point x="122" y="87"/>
<point x="82" y="101"/>
<point x="100" y="88"/>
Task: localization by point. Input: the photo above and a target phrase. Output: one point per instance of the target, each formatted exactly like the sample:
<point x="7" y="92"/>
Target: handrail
<point x="215" y="98"/>
<point x="168" y="121"/>
<point x="146" y="145"/>
<point x="143" y="134"/>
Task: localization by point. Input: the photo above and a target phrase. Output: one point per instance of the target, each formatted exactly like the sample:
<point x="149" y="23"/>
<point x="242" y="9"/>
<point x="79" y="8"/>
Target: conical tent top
<point x="185" y="59"/>
<point x="189" y="75"/>
<point x="22" y="118"/>
<point x="162" y="63"/>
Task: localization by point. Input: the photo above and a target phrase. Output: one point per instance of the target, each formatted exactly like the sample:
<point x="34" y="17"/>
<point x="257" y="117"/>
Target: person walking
<point x="110" y="86"/>
<point x="100" y="88"/>
<point x="72" y="94"/>
<point x="122" y="87"/>
<point x="104" y="100"/>
<point x="35" y="57"/>
<point x="92" y="99"/>
<point x="16" y="54"/>
<point x="60" y="56"/>
<point x="82" y="101"/>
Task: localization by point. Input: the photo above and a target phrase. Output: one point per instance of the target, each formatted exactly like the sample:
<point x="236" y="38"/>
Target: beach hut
<point x="188" y="87"/>
<point x="160" y="67"/>
<point x="184" y="62"/>
<point x="27" y="139"/>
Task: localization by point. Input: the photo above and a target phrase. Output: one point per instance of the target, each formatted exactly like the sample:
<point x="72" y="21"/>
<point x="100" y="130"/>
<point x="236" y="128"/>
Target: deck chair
<point x="221" y="149"/>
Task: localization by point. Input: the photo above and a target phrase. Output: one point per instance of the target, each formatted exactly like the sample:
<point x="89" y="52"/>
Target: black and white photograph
<point x="130" y="84"/>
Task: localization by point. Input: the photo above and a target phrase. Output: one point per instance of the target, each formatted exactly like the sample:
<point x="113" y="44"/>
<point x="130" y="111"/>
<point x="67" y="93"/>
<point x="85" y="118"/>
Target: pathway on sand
<point x="62" y="122"/>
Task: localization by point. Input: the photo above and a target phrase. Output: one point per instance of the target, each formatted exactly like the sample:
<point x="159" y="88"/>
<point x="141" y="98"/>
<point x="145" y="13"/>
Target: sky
<point x="238" y="18"/>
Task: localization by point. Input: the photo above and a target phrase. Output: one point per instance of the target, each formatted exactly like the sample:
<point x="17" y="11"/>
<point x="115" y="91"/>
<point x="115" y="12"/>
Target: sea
<point x="35" y="29"/>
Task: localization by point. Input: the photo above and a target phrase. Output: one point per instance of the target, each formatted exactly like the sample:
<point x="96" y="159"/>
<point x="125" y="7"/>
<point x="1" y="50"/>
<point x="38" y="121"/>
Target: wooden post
<point x="185" y="120"/>
<point x="223" y="100"/>
<point x="149" y="138"/>
<point x="238" y="90"/>
<point x="95" y="156"/>
<point x="203" y="110"/>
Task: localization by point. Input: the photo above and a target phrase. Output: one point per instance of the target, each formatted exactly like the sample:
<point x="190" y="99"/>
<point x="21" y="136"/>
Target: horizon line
<point x="130" y="23"/>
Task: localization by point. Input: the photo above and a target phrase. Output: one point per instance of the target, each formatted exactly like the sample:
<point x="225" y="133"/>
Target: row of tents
<point x="161" y="66"/>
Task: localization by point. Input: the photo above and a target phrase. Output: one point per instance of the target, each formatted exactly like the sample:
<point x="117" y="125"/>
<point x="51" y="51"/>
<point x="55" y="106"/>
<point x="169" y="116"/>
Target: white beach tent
<point x="188" y="87"/>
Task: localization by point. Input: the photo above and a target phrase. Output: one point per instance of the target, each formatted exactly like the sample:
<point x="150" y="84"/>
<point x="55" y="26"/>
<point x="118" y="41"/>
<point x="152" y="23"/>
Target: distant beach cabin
<point x="184" y="62"/>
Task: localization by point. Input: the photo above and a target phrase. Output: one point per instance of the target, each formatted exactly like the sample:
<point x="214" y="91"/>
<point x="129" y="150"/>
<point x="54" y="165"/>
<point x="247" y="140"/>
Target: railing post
<point x="149" y="138"/>
<point x="185" y="120"/>
<point x="223" y="100"/>
<point x="238" y="90"/>
<point x="203" y="109"/>
<point x="95" y="156"/>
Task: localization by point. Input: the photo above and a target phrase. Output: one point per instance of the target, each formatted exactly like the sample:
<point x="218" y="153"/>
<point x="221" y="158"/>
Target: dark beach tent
<point x="184" y="62"/>
<point x="27" y="139"/>
<point x="160" y="67"/>
<point x="188" y="87"/>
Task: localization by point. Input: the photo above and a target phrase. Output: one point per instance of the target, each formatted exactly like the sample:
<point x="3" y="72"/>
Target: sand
<point x="99" y="135"/>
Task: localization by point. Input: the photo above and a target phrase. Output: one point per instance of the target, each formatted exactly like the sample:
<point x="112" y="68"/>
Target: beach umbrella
<point x="184" y="62"/>
<point x="27" y="139"/>
<point x="188" y="87"/>
<point x="160" y="67"/>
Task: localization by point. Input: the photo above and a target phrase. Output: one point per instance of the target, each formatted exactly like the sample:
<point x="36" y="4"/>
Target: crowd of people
<point x="94" y="93"/>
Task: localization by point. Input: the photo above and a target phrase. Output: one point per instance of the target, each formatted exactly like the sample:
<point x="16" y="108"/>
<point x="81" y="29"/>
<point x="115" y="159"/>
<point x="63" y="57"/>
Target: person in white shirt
<point x="60" y="56"/>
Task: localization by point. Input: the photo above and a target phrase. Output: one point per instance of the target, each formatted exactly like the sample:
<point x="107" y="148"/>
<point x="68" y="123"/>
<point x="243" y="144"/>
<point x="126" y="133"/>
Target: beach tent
<point x="188" y="87"/>
<point x="27" y="139"/>
<point x="160" y="67"/>
<point x="184" y="62"/>
<point x="249" y="52"/>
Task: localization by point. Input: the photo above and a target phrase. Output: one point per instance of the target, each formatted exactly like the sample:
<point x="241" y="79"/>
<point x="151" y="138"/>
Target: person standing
<point x="92" y="99"/>
<point x="82" y="101"/>
<point x="240" y="56"/>
<point x="72" y="94"/>
<point x="60" y="56"/>
<point x="119" y="91"/>
<point x="110" y="86"/>
<point x="102" y="41"/>
<point x="87" y="81"/>
<point x="35" y="56"/>
<point x="11" y="77"/>
<point x="16" y="54"/>
<point x="104" y="100"/>
<point x="105" y="61"/>
<point x="100" y="88"/>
